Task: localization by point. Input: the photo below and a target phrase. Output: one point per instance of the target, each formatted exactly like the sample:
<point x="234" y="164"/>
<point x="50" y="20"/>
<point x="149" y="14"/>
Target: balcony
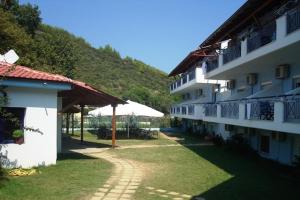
<point x="232" y="53"/>
<point x="293" y="20"/>
<point x="260" y="110"/>
<point x="210" y="110"/>
<point x="191" y="109"/>
<point x="271" y="42"/>
<point x="230" y="110"/>
<point x="211" y="65"/>
<point x="188" y="111"/>
<point x="191" y="78"/>
<point x="262" y="37"/>
<point x="292" y="110"/>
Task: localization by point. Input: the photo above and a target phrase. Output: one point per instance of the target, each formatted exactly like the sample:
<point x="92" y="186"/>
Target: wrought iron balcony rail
<point x="293" y="20"/>
<point x="260" y="110"/>
<point x="191" y="109"/>
<point x="230" y="110"/>
<point x="292" y="109"/>
<point x="211" y="65"/>
<point x="232" y="53"/>
<point x="210" y="110"/>
<point x="192" y="75"/>
<point x="262" y="37"/>
<point x="183" y="110"/>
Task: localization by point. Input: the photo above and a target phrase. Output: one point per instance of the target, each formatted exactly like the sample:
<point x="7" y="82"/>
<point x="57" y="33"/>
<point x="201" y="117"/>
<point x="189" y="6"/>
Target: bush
<point x="238" y="144"/>
<point x="218" y="140"/>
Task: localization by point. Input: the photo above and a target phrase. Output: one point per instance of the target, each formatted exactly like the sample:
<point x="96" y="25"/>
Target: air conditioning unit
<point x="282" y="71"/>
<point x="251" y="79"/>
<point x="230" y="84"/>
<point x="229" y="127"/>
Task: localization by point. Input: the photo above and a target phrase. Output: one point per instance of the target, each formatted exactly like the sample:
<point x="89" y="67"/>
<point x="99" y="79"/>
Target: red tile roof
<point x="21" y="72"/>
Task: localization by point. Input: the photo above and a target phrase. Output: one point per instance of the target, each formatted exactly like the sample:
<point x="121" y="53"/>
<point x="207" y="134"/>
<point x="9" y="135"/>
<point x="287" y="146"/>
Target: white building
<point x="261" y="67"/>
<point x="37" y="99"/>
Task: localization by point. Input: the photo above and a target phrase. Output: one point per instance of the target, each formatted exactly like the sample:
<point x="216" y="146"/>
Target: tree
<point x="27" y="15"/>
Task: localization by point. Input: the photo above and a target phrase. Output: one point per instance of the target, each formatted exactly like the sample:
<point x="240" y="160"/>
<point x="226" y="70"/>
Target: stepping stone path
<point x="124" y="182"/>
<point x="169" y="194"/>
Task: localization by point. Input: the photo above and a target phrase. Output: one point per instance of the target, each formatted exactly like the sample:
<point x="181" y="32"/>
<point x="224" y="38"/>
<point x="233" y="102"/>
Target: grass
<point x="74" y="176"/>
<point x="90" y="137"/>
<point x="211" y="172"/>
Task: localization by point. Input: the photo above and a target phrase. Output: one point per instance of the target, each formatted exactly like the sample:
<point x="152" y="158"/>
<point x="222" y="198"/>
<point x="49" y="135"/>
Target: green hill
<point x="55" y="50"/>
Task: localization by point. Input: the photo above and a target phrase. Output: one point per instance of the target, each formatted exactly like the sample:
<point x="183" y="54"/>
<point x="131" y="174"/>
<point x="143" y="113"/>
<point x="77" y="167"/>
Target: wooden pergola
<point x="82" y="94"/>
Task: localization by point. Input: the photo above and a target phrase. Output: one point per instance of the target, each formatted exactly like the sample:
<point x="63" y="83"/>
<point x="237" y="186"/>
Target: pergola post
<point x="72" y="123"/>
<point x="67" y="123"/>
<point x="81" y="123"/>
<point x="113" y="126"/>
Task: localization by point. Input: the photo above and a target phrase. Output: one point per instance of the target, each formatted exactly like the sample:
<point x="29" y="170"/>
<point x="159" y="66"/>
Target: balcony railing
<point x="183" y="110"/>
<point x="191" y="109"/>
<point x="178" y="83"/>
<point x="260" y="110"/>
<point x="232" y="53"/>
<point x="211" y="65"/>
<point x="210" y="110"/>
<point x="262" y="37"/>
<point x="293" y="20"/>
<point x="292" y="109"/>
<point x="192" y="75"/>
<point x="230" y="110"/>
<point x="178" y="110"/>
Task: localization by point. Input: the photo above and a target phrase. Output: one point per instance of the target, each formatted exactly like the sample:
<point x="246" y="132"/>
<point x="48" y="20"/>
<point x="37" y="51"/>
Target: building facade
<point x="256" y="53"/>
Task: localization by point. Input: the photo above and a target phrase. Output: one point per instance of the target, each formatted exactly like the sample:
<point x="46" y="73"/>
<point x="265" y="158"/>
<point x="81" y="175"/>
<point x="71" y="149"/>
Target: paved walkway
<point x="124" y="182"/>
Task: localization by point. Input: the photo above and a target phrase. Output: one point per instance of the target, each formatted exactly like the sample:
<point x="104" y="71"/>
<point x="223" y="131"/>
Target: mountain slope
<point x="58" y="51"/>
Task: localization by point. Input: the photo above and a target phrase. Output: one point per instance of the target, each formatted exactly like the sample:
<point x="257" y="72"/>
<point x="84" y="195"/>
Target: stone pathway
<point x="168" y="194"/>
<point x="123" y="183"/>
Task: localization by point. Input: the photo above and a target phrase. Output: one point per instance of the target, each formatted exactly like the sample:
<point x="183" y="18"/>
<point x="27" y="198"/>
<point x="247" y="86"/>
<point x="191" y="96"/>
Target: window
<point x="8" y="126"/>
<point x="265" y="144"/>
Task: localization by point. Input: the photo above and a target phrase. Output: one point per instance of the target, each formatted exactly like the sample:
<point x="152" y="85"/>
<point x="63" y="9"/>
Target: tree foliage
<point x="55" y="50"/>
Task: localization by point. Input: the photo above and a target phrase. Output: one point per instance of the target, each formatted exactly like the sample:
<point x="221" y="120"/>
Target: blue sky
<point x="158" y="32"/>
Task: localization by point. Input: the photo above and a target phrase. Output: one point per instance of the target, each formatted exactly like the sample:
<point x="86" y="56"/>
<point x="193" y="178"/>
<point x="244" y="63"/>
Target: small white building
<point x="37" y="98"/>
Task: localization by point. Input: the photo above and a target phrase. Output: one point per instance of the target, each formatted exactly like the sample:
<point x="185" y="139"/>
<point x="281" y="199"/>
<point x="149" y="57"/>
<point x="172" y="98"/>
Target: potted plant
<point x="18" y="135"/>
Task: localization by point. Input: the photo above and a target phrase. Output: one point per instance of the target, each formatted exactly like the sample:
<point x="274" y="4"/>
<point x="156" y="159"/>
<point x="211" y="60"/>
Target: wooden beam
<point x="113" y="126"/>
<point x="69" y="105"/>
<point x="81" y="123"/>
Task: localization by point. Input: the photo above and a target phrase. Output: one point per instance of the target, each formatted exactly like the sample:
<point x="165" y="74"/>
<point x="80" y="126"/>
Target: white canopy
<point x="132" y="108"/>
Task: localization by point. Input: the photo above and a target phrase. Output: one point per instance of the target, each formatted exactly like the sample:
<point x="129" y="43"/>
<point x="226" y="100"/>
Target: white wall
<point x="41" y="113"/>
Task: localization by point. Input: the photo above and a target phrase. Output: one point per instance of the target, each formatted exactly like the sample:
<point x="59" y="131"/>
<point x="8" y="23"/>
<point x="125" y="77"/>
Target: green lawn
<point x="212" y="172"/>
<point x="74" y="177"/>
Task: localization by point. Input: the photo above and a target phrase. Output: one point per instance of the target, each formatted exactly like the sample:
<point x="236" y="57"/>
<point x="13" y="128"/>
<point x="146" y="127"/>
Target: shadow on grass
<point x="3" y="177"/>
<point x="73" y="156"/>
<point x="185" y="138"/>
<point x="252" y="177"/>
<point x="70" y="143"/>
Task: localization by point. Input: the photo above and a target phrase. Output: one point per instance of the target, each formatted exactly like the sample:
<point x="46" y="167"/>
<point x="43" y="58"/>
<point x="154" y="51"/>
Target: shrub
<point x="218" y="140"/>
<point x="18" y="133"/>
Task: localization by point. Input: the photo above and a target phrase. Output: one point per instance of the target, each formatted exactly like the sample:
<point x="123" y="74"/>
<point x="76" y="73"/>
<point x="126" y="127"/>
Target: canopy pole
<point x="81" y="123"/>
<point x="127" y="127"/>
<point x="113" y="126"/>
